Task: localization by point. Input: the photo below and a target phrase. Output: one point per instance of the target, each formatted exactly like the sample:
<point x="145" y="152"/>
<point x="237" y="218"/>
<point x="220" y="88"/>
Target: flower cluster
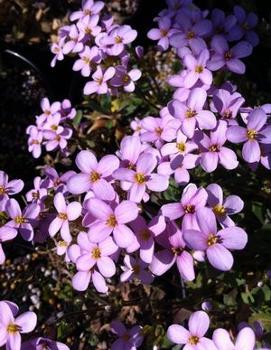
<point x="51" y="129"/>
<point x="101" y="49"/>
<point x="13" y="325"/>
<point x="195" y="336"/>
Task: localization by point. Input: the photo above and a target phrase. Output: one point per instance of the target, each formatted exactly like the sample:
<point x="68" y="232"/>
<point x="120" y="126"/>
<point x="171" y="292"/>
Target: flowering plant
<point x="125" y="219"/>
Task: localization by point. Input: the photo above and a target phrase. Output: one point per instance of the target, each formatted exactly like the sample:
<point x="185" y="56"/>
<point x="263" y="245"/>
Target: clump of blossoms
<point x="101" y="49"/>
<point x="51" y="129"/>
<point x="13" y="325"/>
<point x="101" y="217"/>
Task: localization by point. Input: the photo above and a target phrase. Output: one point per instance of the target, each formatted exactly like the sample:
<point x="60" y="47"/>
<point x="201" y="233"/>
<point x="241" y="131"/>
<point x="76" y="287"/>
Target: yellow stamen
<point x="190" y="114"/>
<point x="251" y="134"/>
<point x="96" y="253"/>
<point x="63" y="216"/>
<point x="199" y="69"/>
<point x="2" y="190"/>
<point x="189" y="209"/>
<point x="111" y="221"/>
<point x="214" y="148"/>
<point x="94" y="176"/>
<point x="140" y="178"/>
<point x="181" y="146"/>
<point x="193" y="340"/>
<point x="190" y="35"/>
<point x="20" y="220"/>
<point x="212" y="239"/>
<point x="219" y="209"/>
<point x="13" y="328"/>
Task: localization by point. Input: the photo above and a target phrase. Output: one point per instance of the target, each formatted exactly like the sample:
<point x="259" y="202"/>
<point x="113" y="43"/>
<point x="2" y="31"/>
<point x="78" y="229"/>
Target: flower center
<point x="199" y="69"/>
<point x="99" y="81"/>
<point x="87" y="12"/>
<point x="111" y="221"/>
<point x="219" y="209"/>
<point x="190" y="35"/>
<point x="126" y="78"/>
<point x="118" y="39"/>
<point x="213" y="239"/>
<point x="193" y="340"/>
<point x="13" y="328"/>
<point x="35" y="195"/>
<point x="140" y="178"/>
<point x="88" y="31"/>
<point x="145" y="234"/>
<point x="2" y="190"/>
<point x="177" y="250"/>
<point x="227" y="114"/>
<point x="62" y="244"/>
<point x="251" y="134"/>
<point x="20" y="220"/>
<point x="214" y="148"/>
<point x="190" y="113"/>
<point x="54" y="127"/>
<point x="96" y="253"/>
<point x="163" y="32"/>
<point x="228" y="55"/>
<point x="94" y="176"/>
<point x="35" y="142"/>
<point x="63" y="216"/>
<point x="189" y="209"/>
<point x="85" y="59"/>
<point x="136" y="269"/>
<point x="158" y="131"/>
<point x="181" y="146"/>
<point x="126" y="337"/>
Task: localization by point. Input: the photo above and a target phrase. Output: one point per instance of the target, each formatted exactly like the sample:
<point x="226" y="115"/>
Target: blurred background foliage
<point x="36" y="276"/>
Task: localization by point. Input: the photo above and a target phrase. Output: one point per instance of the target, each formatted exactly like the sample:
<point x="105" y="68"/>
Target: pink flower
<point x="66" y="213"/>
<point x="192" y="200"/>
<point x="11" y="326"/>
<point x="109" y="220"/>
<point x="142" y="178"/>
<point x="6" y="234"/>
<point x="192" y="113"/>
<point x="95" y="175"/>
<point x="8" y="188"/>
<point x="135" y="269"/>
<point x="217" y="244"/>
<point x="99" y="84"/>
<point x="245" y="339"/>
<point x="42" y="344"/>
<point x="129" y="339"/>
<point x="193" y="338"/>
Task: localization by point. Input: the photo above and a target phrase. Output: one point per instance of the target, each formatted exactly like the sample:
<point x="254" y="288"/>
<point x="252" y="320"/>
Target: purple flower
<point x="192" y="114"/>
<point x="223" y="208"/>
<point x="58" y="182"/>
<point x="55" y="140"/>
<point x="39" y="193"/>
<point x="118" y="38"/>
<point x="245" y="339"/>
<point x="213" y="151"/>
<point x="145" y="236"/>
<point x="8" y="188"/>
<point x="97" y="256"/>
<point x="6" y="234"/>
<point x="125" y="79"/>
<point x="158" y="130"/>
<point x="222" y="24"/>
<point x="22" y="221"/>
<point x="66" y="213"/>
<point x="49" y="109"/>
<point x="135" y="269"/>
<point x="42" y="344"/>
<point x="110" y="220"/>
<point x="197" y="69"/>
<point x="182" y="146"/>
<point x="192" y="200"/>
<point x="256" y="132"/>
<point x="217" y="244"/>
<point x="99" y="83"/>
<point x="88" y="60"/>
<point x="173" y="252"/>
<point x="67" y="111"/>
<point x="228" y="57"/>
<point x="129" y="339"/>
<point x="179" y="166"/>
<point x="74" y="44"/>
<point x="94" y="175"/>
<point x="89" y="8"/>
<point x="163" y="33"/>
<point x="243" y="27"/>
<point x="193" y="338"/>
<point x="142" y="177"/>
<point x="227" y="104"/>
<point x="57" y="50"/>
<point x="191" y="31"/>
<point x="11" y="326"/>
<point x="34" y="141"/>
<point x="88" y="27"/>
